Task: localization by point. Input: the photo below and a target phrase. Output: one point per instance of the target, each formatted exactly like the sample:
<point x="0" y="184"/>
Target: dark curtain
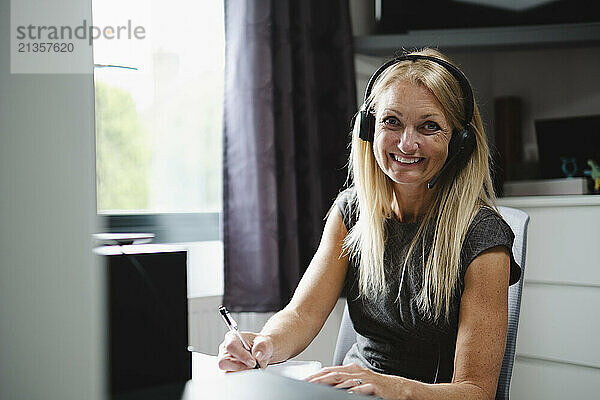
<point x="289" y="99"/>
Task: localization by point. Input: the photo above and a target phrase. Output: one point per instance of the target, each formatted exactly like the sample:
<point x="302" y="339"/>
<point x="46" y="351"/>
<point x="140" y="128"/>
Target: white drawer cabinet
<point x="558" y="342"/>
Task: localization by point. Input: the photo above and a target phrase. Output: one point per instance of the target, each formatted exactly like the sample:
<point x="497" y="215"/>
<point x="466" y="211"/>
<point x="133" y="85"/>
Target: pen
<point x="233" y="326"/>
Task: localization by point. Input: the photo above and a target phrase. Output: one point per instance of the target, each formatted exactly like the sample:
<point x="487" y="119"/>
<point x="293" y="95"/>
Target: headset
<point x="463" y="140"/>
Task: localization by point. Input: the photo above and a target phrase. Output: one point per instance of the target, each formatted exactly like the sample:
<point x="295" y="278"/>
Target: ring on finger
<point x="358" y="381"/>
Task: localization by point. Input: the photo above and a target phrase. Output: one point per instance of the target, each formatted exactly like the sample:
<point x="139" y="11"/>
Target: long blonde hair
<point x="457" y="198"/>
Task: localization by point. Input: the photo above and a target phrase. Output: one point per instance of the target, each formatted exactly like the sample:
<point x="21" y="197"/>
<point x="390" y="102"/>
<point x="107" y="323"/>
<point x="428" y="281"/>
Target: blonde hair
<point x="457" y="198"/>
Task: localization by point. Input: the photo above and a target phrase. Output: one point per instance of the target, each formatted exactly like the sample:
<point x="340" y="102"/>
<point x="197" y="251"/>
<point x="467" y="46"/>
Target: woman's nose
<point x="408" y="142"/>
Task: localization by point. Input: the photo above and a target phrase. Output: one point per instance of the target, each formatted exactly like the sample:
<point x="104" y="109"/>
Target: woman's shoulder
<point x="347" y="204"/>
<point x="488" y="221"/>
<point x="488" y="229"/>
<point x="347" y="195"/>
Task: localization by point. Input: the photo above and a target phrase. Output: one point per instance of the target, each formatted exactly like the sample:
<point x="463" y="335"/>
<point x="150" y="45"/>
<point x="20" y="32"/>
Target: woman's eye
<point x="391" y="121"/>
<point x="431" y="126"/>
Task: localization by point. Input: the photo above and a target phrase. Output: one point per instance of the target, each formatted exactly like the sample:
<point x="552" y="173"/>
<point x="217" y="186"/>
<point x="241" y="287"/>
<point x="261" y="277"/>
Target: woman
<point x="416" y="244"/>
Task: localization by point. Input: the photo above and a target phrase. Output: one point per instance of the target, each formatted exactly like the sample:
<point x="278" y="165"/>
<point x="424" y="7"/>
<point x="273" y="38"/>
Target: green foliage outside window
<point x="123" y="151"/>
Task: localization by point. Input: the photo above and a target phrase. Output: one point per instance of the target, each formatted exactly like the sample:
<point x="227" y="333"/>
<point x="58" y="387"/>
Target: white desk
<point x="208" y="382"/>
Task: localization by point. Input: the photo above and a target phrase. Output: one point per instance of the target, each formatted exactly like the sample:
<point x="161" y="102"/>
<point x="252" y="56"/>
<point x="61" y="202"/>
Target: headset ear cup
<point x="462" y="145"/>
<point x="366" y="126"/>
<point x="454" y="144"/>
<point x="469" y="143"/>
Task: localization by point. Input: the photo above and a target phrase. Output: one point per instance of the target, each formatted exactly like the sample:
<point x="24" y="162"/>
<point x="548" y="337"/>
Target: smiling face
<point x="411" y="135"/>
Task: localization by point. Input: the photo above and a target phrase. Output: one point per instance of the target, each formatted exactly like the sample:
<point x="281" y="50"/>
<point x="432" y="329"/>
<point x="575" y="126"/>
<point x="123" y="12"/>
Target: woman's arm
<point x="480" y="343"/>
<point x="482" y="326"/>
<point x="291" y="330"/>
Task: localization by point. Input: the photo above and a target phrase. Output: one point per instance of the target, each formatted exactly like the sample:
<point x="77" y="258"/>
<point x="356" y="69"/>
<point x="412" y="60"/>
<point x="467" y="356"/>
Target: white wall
<point x="205" y="268"/>
<point x="207" y="330"/>
<point x="51" y="331"/>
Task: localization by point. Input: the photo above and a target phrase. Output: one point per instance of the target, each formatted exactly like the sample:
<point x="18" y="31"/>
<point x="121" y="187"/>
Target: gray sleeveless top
<point x="393" y="335"/>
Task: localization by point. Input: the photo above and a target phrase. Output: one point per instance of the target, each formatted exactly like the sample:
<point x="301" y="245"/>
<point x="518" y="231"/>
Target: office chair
<point x="518" y="221"/>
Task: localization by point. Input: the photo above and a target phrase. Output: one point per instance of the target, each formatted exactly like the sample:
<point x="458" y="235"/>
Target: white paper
<point x="204" y="366"/>
<point x="294" y="369"/>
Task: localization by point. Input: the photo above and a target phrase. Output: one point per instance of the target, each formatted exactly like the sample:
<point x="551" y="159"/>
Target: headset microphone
<point x="437" y="176"/>
<point x="447" y="164"/>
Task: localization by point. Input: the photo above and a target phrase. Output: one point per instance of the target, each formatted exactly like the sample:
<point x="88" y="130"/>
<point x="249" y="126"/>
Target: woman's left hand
<point x="357" y="379"/>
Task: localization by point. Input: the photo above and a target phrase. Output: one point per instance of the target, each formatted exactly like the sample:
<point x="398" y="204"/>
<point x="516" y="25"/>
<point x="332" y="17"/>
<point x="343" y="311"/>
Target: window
<point x="158" y="112"/>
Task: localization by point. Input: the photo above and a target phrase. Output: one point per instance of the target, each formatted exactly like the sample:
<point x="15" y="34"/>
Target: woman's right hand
<point x="233" y="357"/>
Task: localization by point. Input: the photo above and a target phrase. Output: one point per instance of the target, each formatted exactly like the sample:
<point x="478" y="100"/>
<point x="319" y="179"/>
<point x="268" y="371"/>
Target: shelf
<point x="494" y="38"/>
<point x="138" y="249"/>
<point x="549" y="201"/>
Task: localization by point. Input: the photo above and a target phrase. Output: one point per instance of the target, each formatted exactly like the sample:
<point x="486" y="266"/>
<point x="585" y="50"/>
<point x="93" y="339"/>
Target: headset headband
<point x="462" y="80"/>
